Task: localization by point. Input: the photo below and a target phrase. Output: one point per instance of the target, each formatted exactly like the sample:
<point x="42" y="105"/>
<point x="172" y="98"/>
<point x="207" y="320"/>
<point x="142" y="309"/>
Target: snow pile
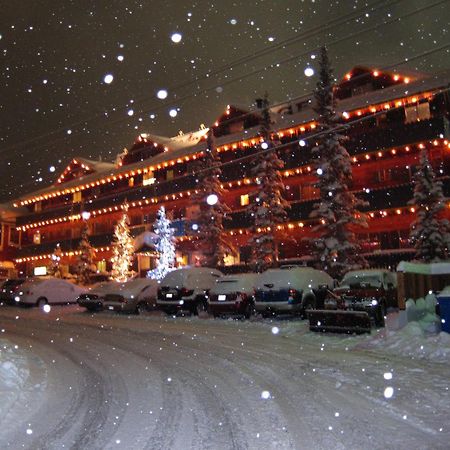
<point x="413" y="342"/>
<point x="423" y="311"/>
<point x="420" y="338"/>
<point x="13" y="375"/>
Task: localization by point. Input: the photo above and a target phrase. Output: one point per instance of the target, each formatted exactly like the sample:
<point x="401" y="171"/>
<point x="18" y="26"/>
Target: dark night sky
<point x="54" y="103"/>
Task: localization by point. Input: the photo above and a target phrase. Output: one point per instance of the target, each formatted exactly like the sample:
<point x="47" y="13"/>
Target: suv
<point x="292" y="290"/>
<point x="233" y="294"/>
<point x="378" y="284"/>
<point x="186" y="289"/>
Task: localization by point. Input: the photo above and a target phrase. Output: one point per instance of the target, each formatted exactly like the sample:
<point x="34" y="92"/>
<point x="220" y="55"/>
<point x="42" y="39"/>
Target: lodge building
<point x="388" y="118"/>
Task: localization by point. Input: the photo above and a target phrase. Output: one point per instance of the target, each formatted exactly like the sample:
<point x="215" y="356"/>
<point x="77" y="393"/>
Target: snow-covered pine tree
<point x="211" y="238"/>
<point x="165" y="246"/>
<point x="269" y="207"/>
<point x="430" y="232"/>
<point x="86" y="256"/>
<point x="338" y="210"/>
<point x="122" y="248"/>
<point x="54" y="268"/>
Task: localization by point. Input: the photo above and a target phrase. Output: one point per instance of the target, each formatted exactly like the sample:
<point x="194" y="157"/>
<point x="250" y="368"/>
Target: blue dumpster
<point x="444" y="309"/>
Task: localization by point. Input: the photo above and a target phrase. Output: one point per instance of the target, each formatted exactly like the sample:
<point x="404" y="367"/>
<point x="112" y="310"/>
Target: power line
<point x="307" y="34"/>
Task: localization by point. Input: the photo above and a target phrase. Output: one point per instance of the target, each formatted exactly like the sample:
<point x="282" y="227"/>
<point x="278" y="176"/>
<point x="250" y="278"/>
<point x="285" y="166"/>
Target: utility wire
<point x="307" y="34"/>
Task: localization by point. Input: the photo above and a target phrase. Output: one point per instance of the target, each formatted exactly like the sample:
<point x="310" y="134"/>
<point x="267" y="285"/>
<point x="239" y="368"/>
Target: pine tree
<point x="430" y="232"/>
<point x="86" y="257"/>
<point x="122" y="248"/>
<point x="269" y="208"/>
<point x="54" y="269"/>
<point x="165" y="246"/>
<point x="338" y="209"/>
<point x="211" y="238"/>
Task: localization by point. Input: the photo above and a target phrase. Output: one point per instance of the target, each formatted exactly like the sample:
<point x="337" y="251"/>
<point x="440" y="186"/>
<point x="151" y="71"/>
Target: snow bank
<point x="421" y="337"/>
<point x="412" y="341"/>
<point x="13" y="375"/>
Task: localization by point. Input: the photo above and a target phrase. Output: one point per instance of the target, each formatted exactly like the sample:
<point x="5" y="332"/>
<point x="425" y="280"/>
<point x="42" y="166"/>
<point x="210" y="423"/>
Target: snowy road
<point x="115" y="382"/>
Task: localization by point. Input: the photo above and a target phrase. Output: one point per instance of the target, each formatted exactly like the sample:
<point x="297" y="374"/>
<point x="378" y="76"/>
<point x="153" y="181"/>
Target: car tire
<point x="41" y="302"/>
<point x="200" y="308"/>
<point x="141" y="308"/>
<point x="308" y="303"/>
<point x="249" y="310"/>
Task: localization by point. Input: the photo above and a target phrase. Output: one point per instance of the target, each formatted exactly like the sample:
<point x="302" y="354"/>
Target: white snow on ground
<point x="413" y="342"/>
<point x="14" y="373"/>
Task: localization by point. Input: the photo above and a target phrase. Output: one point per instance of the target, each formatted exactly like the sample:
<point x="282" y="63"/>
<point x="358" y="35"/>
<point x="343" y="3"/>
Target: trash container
<point x="444" y="309"/>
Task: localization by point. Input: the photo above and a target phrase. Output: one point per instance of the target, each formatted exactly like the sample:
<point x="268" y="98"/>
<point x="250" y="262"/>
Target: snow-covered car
<point x="233" y="295"/>
<point x="93" y="299"/>
<point x="290" y="291"/>
<point x="134" y="296"/>
<point x="376" y="284"/>
<point x="52" y="291"/>
<point x="186" y="289"/>
<point x="9" y="289"/>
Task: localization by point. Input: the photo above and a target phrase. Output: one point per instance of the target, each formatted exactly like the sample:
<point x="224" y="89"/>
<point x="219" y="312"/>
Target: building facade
<point x="388" y="117"/>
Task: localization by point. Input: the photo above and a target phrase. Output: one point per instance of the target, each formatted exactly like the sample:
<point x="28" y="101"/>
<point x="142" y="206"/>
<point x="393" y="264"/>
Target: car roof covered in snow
<point x="230" y="283"/>
<point x="296" y="278"/>
<point x="191" y="277"/>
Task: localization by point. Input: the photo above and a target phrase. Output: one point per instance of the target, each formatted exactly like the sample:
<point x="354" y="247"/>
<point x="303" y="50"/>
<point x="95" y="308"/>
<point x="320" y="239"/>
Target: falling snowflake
<point x="108" y="78"/>
<point x="176" y="37"/>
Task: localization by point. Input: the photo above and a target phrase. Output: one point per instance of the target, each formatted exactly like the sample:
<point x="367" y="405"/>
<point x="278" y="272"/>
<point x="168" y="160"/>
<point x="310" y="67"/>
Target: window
<point x="37" y="238"/>
<point x="169" y="175"/>
<point x="76" y="197"/>
<point x="131" y="181"/>
<point x="245" y="200"/>
<point x="38" y="207"/>
<point x="14" y="237"/>
<point x="417" y="112"/>
<point x="148" y="178"/>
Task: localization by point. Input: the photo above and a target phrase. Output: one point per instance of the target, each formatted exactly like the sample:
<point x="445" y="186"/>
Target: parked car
<point x="92" y="300"/>
<point x="233" y="295"/>
<point x="377" y="284"/>
<point x="134" y="296"/>
<point x="292" y="290"/>
<point x="52" y="291"/>
<point x="9" y="288"/>
<point x="186" y="289"/>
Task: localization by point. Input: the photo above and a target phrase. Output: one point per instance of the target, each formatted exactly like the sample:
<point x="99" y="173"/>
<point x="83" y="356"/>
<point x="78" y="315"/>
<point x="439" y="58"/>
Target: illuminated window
<point x="37" y="238"/>
<point x="38" y="207"/>
<point x="101" y="266"/>
<point x="169" y="175"/>
<point x="417" y="112"/>
<point x="148" y="178"/>
<point x="245" y="200"/>
<point x="76" y="197"/>
<point x="131" y="181"/>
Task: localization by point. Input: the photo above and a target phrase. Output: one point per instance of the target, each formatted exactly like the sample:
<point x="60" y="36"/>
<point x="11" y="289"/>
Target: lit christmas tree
<point x="165" y="246"/>
<point x="54" y="268"/>
<point x="269" y="208"/>
<point x="85" y="258"/>
<point x="122" y="248"/>
<point x="211" y="238"/>
<point x="338" y="211"/>
<point x="430" y="232"/>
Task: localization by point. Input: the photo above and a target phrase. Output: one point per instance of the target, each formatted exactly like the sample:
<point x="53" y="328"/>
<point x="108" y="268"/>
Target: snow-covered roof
<point x="438" y="268"/>
<point x="181" y="149"/>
